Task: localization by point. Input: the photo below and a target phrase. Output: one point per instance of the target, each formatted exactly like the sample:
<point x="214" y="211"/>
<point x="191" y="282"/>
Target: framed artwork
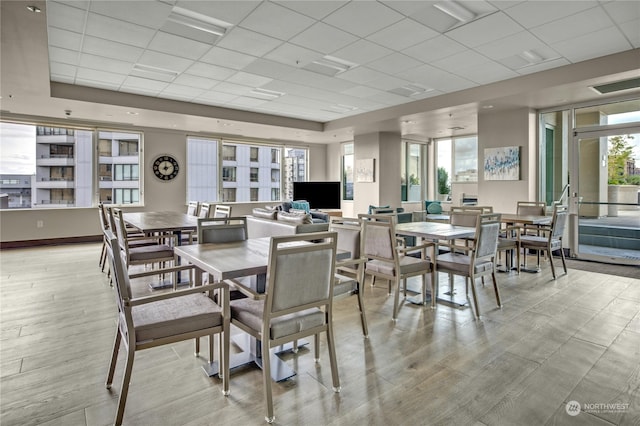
<point x="502" y="163"/>
<point x="365" y="170"/>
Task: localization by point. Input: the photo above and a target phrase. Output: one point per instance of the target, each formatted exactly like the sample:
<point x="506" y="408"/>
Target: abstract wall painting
<point x="502" y="163"/>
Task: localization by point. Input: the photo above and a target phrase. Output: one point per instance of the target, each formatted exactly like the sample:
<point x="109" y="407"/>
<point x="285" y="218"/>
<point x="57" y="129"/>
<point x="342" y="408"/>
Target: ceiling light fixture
<point x="411" y="89"/>
<point x="455" y="10"/>
<point x="531" y="57"/>
<point x="196" y="21"/>
<point x="330" y="65"/>
<point x="132" y="113"/>
<point x="34" y="9"/>
<point x="342" y="108"/>
<point x="265" y="94"/>
<point x="153" y="73"/>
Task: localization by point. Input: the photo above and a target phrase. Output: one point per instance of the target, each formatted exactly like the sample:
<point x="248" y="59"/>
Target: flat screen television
<point x="320" y="195"/>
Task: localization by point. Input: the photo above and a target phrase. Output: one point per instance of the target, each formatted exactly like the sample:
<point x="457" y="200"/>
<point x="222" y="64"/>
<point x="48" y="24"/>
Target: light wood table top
<point x="525" y="219"/>
<point x="168" y="221"/>
<point x="434" y="230"/>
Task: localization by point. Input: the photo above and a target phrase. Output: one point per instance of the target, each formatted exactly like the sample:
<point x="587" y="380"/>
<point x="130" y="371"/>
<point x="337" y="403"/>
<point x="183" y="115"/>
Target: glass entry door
<point x="605" y="199"/>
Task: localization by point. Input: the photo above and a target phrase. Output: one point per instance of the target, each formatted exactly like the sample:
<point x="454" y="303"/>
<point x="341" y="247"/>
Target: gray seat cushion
<point x="343" y="285"/>
<point x="408" y="265"/>
<point x="542" y="242"/>
<point x="175" y="316"/>
<point x="460" y="263"/>
<point x="140" y="254"/>
<point x="250" y="313"/>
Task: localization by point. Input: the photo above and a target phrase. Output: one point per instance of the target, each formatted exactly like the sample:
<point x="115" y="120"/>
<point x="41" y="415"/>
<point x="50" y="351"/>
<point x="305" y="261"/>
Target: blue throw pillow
<point x="434" y="208"/>
<point x="301" y="205"/>
<point x="376" y="207"/>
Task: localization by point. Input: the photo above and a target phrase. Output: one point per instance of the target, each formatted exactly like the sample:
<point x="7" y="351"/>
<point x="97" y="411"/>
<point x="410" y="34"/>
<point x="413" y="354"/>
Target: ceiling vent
<point x="153" y="73"/>
<point x="329" y="65"/>
<point x="617" y="86"/>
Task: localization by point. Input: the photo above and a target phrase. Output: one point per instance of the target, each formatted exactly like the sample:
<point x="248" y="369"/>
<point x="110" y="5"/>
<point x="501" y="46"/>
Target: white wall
<point x="508" y="128"/>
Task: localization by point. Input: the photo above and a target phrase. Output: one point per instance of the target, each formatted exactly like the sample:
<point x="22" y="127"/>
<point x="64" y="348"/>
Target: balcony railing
<point x="57" y="202"/>
<point x="56" y="156"/>
<point x="54" y="179"/>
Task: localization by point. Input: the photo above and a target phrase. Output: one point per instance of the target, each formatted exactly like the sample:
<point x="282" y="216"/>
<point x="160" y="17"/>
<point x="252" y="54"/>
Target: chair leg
<point x="518" y="259"/>
<point x="495" y="287"/>
<point x="331" y="345"/>
<point x="266" y="379"/>
<point x="114" y="359"/>
<point x="316" y="347"/>
<point x="197" y="340"/>
<point x="224" y="361"/>
<point x="475" y="297"/>
<point x="434" y="287"/>
<point x="103" y="256"/>
<point x="125" y="385"/>
<point x="396" y="299"/>
<point x="553" y="268"/>
<point x="363" y="317"/>
<point x="564" y="263"/>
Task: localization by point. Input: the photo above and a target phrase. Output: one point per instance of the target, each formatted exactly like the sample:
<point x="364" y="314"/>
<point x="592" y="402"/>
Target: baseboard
<point x="50" y="242"/>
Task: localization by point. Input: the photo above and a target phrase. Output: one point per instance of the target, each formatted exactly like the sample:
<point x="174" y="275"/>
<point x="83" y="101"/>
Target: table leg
<point x="169" y="284"/>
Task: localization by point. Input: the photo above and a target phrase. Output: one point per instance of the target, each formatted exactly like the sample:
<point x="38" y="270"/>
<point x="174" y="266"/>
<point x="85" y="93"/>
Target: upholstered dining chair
<point x="205" y="210"/>
<point x="391" y="262"/>
<point x="193" y="209"/>
<point x="351" y="280"/>
<point x="478" y="260"/>
<point x="150" y="321"/>
<point x="161" y="252"/>
<point x="221" y="210"/>
<point x="550" y="238"/>
<point x="298" y="302"/>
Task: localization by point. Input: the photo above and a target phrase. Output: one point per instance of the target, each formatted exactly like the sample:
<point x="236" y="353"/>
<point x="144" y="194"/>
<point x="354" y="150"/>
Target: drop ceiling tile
<point x="178" y="46"/>
<point x="362" y="52"/>
<point x="466" y="59"/>
<point x="623" y="11"/>
<point x="434" y="49"/>
<point x="308" y="78"/>
<point x="386" y="83"/>
<point x="97" y="84"/>
<point x="232" y="12"/>
<point x="531" y="14"/>
<point x="432" y="17"/>
<point x="178" y="91"/>
<point x="143" y="84"/>
<point x="59" y="78"/>
<point x="389" y="98"/>
<point x="313" y="9"/>
<point x="435" y="78"/>
<point x="232" y="88"/>
<point x="486" y="72"/>
<point x="543" y="66"/>
<point x="363" y="18"/>
<point x="323" y="38"/>
<point x="111" y="49"/>
<point x="361" y="91"/>
<point x="484" y="30"/>
<point x="248" y="79"/>
<point x="403" y="34"/>
<point x="65" y="17"/>
<point x="120" y="31"/>
<point x="61" y="69"/>
<point x="210" y="71"/>
<point x="276" y="21"/>
<point x="105" y="64"/>
<point x="394" y="63"/>
<point x="166" y="62"/>
<point x="195" y="82"/>
<point x="293" y="55"/>
<point x="630" y="29"/>
<point x="213" y="96"/>
<point x="573" y="26"/>
<point x="150" y="14"/>
<point x="101" y="76"/>
<point x="593" y="45"/>
<point x="513" y="45"/>
<point x="228" y="58"/>
<point x="248" y="42"/>
<point x="246" y="101"/>
<point x="64" y="39"/>
<point x="269" y="69"/>
<point x="80" y="4"/>
<point x="65" y="56"/>
<point x="361" y="75"/>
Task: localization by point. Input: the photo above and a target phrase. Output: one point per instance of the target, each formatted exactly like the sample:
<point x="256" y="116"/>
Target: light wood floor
<point x="577" y="338"/>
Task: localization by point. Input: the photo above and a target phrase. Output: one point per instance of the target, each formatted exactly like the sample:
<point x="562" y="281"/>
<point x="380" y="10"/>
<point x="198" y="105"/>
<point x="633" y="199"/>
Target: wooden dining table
<point x="525" y="219"/>
<point x="436" y="232"/>
<point x="246" y="260"/>
<point x="163" y="221"/>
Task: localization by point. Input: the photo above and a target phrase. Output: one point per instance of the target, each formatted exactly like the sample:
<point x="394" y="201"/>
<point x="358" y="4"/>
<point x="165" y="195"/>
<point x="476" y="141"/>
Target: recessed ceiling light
<point x="455" y="10"/>
<point x="132" y="113"/>
<point x="34" y="9"/>
<point x="487" y="106"/>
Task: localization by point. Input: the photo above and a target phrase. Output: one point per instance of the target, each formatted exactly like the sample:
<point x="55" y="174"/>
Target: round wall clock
<point x="165" y="167"/>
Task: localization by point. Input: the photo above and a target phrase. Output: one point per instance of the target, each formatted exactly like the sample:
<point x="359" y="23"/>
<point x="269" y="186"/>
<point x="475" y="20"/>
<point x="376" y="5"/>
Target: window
<point x="228" y="195"/>
<point x="457" y="161"/>
<point x="229" y="152"/>
<point x="248" y="169"/>
<point x="57" y="165"/>
<point x="348" y="171"/>
<point x="228" y="174"/>
<point x="412" y="167"/>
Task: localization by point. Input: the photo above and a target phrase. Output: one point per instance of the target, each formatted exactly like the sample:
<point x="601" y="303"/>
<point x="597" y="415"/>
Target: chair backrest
<point x="348" y="236"/>
<point x="120" y="277"/>
<point x="300" y="273"/>
<point x="559" y="222"/>
<point x="532" y="208"/>
<point x="486" y="238"/>
<point x="222" y="230"/>
<point x="481" y="209"/>
<point x="104" y="219"/>
<point x="120" y="230"/>
<point x="222" y="211"/>
<point x="205" y="210"/>
<point x="384" y="217"/>
<point x="192" y="208"/>
<point x="464" y="218"/>
<point x="378" y="234"/>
